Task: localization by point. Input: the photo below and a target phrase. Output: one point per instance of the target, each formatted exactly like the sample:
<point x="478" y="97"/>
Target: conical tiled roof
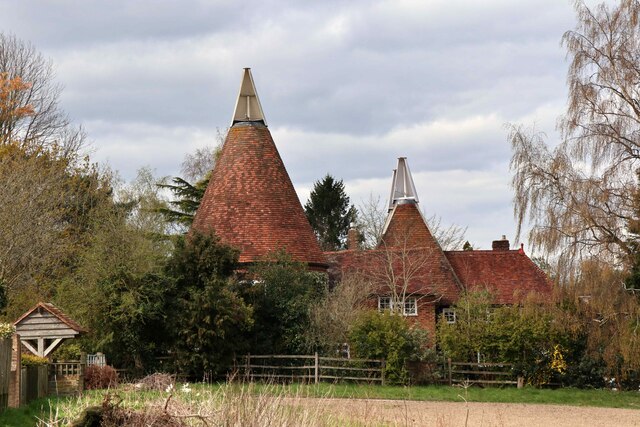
<point x="406" y="233"/>
<point x="250" y="202"/>
<point x="405" y="226"/>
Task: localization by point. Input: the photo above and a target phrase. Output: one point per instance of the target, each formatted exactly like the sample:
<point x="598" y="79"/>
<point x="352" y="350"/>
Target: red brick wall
<point x="426" y="318"/>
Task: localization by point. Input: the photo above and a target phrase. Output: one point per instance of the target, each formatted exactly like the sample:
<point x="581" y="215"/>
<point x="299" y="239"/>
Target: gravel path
<point x="394" y="412"/>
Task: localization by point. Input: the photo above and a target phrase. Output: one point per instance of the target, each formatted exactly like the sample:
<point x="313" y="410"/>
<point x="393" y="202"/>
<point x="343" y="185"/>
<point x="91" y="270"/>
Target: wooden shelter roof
<point x="56" y="312"/>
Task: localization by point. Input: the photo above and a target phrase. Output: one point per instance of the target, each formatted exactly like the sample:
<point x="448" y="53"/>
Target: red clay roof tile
<point x="251" y="203"/>
<point x="408" y="241"/>
<point x="510" y="275"/>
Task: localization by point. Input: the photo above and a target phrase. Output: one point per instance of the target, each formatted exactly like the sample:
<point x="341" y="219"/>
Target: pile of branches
<point x="112" y="414"/>
<point x="157" y="382"/>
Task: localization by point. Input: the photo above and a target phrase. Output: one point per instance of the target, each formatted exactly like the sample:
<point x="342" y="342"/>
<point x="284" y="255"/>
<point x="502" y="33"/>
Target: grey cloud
<point x="346" y="86"/>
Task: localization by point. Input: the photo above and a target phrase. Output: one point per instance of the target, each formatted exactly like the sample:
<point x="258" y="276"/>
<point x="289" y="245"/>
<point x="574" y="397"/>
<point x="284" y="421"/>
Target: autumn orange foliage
<point x="11" y="109"/>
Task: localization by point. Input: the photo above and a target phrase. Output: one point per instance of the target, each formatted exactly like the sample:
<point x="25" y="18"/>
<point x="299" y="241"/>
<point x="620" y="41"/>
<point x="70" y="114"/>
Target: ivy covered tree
<point x="209" y="320"/>
<point x="330" y="213"/>
<point x="282" y="294"/>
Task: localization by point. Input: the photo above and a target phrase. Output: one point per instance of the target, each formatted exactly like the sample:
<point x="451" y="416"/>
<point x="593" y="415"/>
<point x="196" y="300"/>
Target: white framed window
<point x="384" y="303"/>
<point x="449" y="315"/>
<point x="409" y="307"/>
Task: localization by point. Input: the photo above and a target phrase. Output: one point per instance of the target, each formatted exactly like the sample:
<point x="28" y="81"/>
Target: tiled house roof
<point x="408" y="248"/>
<point x="510" y="275"/>
<point x="250" y="202"/>
<point x="416" y="271"/>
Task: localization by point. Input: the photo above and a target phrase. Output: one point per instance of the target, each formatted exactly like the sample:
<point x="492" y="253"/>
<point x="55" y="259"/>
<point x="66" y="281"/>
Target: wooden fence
<point x="5" y="372"/>
<point x="34" y="383"/>
<point x="66" y="378"/>
<point x="312" y="369"/>
<point x="482" y="373"/>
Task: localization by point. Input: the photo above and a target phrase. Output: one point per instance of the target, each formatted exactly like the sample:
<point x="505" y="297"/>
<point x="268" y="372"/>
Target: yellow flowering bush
<point x="7" y="330"/>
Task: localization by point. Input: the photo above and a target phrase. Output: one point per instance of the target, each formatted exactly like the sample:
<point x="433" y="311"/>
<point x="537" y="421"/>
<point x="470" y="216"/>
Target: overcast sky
<point x="346" y="87"/>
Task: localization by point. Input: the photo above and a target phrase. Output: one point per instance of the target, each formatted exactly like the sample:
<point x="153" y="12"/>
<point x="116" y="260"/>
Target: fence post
<point x="449" y="363"/>
<point x="15" y="385"/>
<point x="247" y="370"/>
<point x="317" y="360"/>
<point x="383" y="365"/>
<point x="5" y="371"/>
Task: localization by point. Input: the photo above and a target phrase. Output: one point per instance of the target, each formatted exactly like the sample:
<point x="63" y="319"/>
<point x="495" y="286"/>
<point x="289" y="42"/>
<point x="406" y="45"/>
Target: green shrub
<point x="386" y="336"/>
<point x="207" y="319"/>
<point x="522" y="335"/>
<point x="33" y="360"/>
<point x="282" y="298"/>
<point x="68" y="351"/>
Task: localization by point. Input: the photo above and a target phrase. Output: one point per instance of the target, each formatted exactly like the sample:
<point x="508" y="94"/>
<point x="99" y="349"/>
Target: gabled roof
<point x="55" y="311"/>
<point x="509" y="274"/>
<point x="416" y="271"/>
<point x="250" y="202"/>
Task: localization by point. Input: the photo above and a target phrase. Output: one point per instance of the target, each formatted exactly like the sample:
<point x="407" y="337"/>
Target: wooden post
<point x="5" y="372"/>
<point x="450" y="377"/>
<point x="247" y="369"/>
<point x="43" y="381"/>
<point x="520" y="381"/>
<point x="16" y="372"/>
<point x="317" y="361"/>
<point x="383" y="365"/>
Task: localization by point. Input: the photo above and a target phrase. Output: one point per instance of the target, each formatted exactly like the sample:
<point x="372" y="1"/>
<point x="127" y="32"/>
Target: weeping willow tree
<point x="581" y="198"/>
<point x="578" y="196"/>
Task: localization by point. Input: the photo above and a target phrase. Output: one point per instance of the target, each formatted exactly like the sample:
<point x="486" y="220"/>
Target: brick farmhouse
<point x="250" y="203"/>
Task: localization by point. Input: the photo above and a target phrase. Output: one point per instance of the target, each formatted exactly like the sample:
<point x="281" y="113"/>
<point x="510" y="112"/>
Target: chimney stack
<point x="353" y="237"/>
<point x="500" y="245"/>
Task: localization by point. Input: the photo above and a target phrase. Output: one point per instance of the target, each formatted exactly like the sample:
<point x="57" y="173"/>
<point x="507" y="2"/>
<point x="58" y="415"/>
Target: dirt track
<point x="394" y="412"/>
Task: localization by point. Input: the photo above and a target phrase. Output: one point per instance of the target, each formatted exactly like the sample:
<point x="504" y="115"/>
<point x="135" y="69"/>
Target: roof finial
<point x="402" y="187"/>
<point x="248" y="108"/>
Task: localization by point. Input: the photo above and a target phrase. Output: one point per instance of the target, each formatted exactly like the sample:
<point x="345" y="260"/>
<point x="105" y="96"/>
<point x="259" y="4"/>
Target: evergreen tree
<point x="282" y="296"/>
<point x="330" y="213"/>
<point x="208" y="318"/>
<point x="188" y="197"/>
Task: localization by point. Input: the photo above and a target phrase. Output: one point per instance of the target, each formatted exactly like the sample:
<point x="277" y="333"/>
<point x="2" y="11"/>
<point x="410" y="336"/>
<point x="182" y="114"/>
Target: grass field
<point x="226" y="398"/>
<point x="563" y="396"/>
